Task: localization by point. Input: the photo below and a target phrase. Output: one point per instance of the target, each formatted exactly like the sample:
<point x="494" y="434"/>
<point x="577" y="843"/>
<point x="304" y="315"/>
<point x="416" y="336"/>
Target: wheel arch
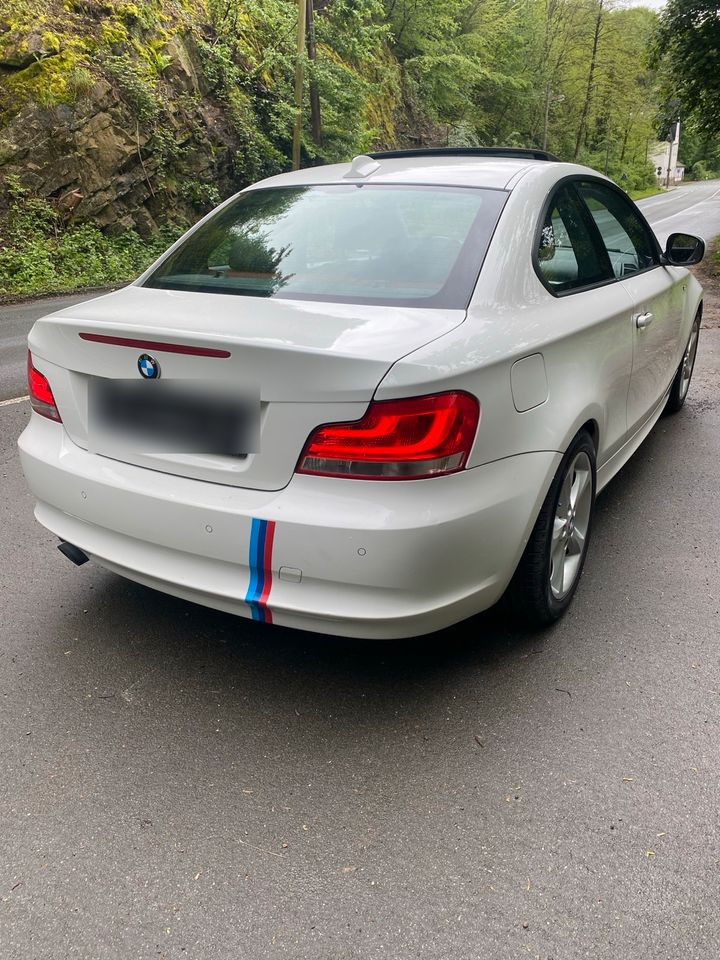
<point x="592" y="427"/>
<point x="591" y="420"/>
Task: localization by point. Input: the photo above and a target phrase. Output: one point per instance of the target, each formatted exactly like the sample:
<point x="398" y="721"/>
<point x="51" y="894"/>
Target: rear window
<point x="369" y="243"/>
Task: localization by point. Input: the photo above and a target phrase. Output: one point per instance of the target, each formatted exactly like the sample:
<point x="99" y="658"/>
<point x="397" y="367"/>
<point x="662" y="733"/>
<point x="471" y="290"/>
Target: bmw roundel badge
<point x="148" y="366"/>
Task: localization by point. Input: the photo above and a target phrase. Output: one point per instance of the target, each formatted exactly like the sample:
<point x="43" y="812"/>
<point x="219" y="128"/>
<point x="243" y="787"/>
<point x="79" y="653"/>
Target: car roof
<point x="491" y="172"/>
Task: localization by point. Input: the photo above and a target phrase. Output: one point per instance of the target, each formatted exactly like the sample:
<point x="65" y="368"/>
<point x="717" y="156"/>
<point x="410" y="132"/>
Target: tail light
<point x="397" y="440"/>
<point x="41" y="396"/>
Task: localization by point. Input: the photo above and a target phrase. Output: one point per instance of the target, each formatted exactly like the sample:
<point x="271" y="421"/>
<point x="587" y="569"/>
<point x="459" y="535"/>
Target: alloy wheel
<point x="688" y="361"/>
<point x="571" y="525"/>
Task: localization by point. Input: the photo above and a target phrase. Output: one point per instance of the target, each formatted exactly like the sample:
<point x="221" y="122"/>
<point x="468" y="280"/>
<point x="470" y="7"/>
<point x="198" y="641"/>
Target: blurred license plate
<point x="171" y="417"/>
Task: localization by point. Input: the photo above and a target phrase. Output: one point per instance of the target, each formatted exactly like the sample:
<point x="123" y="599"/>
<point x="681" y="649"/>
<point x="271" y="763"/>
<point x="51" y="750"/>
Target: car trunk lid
<point x="311" y="363"/>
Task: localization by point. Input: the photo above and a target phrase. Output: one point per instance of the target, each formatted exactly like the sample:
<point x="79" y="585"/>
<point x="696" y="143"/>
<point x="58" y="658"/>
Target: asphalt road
<point x="15" y="322"/>
<point x="179" y="783"/>
<point x="693" y="208"/>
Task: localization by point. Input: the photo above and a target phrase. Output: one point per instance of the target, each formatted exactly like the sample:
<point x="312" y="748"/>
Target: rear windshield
<point x="373" y="243"/>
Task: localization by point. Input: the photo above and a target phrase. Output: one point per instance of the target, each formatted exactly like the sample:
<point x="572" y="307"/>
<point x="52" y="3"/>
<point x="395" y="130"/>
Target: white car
<point x="367" y="399"/>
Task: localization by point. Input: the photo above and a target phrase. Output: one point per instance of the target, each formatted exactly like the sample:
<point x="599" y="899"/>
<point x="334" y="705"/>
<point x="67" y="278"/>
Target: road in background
<point x="15" y="322"/>
<point x="178" y="783"/>
<point x="693" y="208"/>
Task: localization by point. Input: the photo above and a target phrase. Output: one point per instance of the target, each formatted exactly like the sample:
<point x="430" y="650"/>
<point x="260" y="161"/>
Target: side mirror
<point x="683" y="250"/>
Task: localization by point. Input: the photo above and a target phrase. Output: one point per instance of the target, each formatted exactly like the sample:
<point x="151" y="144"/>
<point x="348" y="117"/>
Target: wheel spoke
<point x="582" y="478"/>
<point x="577" y="542"/>
<point x="557" y="575"/>
<point x="565" y="491"/>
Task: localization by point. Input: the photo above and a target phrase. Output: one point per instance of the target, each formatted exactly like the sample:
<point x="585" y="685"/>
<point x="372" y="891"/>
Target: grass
<point x="78" y="257"/>
<point x="642" y="194"/>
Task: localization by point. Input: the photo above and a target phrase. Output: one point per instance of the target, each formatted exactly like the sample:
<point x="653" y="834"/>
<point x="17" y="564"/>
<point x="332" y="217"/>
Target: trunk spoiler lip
<point x="157" y="345"/>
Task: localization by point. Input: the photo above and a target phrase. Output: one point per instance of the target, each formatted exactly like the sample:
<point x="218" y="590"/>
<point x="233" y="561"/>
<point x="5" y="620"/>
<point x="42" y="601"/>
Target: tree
<point x="688" y="46"/>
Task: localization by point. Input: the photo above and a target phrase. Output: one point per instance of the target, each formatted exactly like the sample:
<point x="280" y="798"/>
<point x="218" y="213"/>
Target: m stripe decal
<point x="262" y="535"/>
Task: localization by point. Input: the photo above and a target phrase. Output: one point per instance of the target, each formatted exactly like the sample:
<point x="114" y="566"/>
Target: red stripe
<point x="267" y="567"/>
<point x="158" y="345"/>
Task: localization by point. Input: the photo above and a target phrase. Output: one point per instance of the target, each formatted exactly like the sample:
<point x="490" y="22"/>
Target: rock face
<point x="18" y="55"/>
<point x="100" y="158"/>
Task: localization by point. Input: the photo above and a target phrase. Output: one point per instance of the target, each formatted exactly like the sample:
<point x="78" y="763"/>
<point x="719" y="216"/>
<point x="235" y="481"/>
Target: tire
<point x="681" y="384"/>
<point x="541" y="589"/>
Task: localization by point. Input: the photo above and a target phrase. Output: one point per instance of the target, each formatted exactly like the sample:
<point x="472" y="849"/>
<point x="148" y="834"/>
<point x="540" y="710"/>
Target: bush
<point x="81" y="256"/>
<point x="39" y="254"/>
<point x="701" y="171"/>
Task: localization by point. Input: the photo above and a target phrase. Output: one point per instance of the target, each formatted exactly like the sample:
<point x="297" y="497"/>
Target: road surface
<point x="177" y="783"/>
<point x="693" y="208"/>
<point x="15" y="322"/>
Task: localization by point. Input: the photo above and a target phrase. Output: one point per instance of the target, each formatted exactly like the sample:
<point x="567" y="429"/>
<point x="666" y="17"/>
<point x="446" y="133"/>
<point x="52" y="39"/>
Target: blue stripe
<point x="255" y="566"/>
<point x="256" y="559"/>
<point x="259" y="560"/>
<point x="251" y="560"/>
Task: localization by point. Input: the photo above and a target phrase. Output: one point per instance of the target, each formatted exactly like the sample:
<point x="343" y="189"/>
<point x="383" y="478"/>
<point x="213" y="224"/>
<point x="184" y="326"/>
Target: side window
<point x="624" y="235"/>
<point x="568" y="256"/>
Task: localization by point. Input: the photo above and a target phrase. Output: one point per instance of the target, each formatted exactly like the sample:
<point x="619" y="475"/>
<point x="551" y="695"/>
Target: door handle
<point x="643" y="320"/>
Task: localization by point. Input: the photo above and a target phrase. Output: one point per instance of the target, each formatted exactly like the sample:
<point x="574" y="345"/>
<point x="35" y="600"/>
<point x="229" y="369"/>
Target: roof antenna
<point x="361" y="166"/>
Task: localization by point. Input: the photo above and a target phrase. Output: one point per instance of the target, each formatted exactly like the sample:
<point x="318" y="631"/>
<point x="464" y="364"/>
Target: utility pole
<point x="673" y="138"/>
<point x="315" y="116"/>
<point x="299" y="76"/>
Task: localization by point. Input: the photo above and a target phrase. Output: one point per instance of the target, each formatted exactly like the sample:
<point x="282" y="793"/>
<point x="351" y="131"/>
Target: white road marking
<point x="663" y="198"/>
<point x="654" y="223"/>
<point x="6" y="403"/>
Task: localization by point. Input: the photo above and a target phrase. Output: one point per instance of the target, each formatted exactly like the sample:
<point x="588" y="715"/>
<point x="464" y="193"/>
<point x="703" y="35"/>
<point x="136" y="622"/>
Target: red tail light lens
<point x="41" y="396"/>
<point x="397" y="440"/>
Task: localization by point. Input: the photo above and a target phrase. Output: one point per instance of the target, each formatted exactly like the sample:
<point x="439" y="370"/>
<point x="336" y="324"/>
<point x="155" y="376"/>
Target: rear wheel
<point x="549" y="571"/>
<point x="681" y="383"/>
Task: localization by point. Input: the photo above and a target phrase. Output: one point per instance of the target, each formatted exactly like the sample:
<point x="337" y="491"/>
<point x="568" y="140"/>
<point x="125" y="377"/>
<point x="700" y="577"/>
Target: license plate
<point x="173" y="417"/>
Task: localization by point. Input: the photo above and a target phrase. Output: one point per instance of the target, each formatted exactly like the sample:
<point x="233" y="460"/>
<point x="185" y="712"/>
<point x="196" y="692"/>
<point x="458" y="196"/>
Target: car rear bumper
<point x="347" y="557"/>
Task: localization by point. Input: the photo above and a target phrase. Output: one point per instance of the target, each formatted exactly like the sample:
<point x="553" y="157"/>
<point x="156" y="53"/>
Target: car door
<point x="655" y="291"/>
<point x="589" y="349"/>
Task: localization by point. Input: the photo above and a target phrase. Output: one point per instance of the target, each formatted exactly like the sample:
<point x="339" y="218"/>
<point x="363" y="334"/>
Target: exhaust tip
<point x="73" y="553"/>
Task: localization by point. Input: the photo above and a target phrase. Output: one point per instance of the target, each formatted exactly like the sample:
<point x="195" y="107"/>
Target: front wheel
<point x="681" y="383"/>
<point x="549" y="572"/>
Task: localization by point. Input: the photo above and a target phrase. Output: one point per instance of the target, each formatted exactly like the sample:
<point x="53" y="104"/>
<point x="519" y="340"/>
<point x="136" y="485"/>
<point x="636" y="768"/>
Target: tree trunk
<point x="582" y="128"/>
<point x="299" y="78"/>
<point x="315" y="116"/>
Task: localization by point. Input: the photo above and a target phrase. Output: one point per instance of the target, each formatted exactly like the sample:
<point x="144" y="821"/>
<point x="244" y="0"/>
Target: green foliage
<point x="80" y="80"/>
<point x="686" y="48"/>
<point x="571" y="75"/>
<point x="137" y="88"/>
<point x="206" y="87"/>
<point x="701" y="171"/>
<point x="78" y="256"/>
<point x="200" y="193"/>
<point x="647" y="192"/>
<point x="699" y="151"/>
<point x="251" y="65"/>
<point x="632" y="175"/>
<point x="39" y="254"/>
